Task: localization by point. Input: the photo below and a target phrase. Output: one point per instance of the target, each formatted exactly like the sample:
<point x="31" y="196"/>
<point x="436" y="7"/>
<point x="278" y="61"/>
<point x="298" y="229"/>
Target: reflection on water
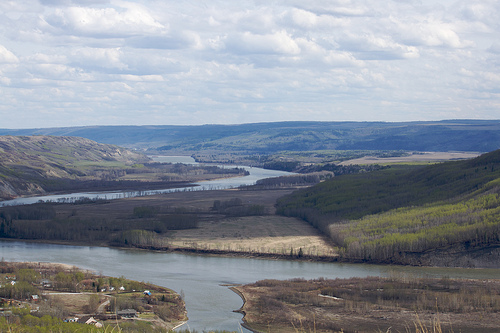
<point x="200" y="278"/>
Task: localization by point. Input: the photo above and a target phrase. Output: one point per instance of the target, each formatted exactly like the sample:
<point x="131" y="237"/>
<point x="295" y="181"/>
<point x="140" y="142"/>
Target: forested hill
<point x="448" y="135"/>
<point x="390" y="214"/>
<point x="33" y="164"/>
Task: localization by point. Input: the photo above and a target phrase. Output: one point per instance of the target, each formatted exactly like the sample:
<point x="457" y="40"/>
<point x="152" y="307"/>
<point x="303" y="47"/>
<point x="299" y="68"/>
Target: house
<point x="46" y="283"/>
<point x="147" y="293"/>
<point x="127" y="313"/>
<point x="35" y="298"/>
<point x="89" y="320"/>
<point x="122" y="288"/>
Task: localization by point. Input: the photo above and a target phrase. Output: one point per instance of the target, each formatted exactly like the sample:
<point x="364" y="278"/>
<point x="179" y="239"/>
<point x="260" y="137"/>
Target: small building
<point x="89" y="320"/>
<point x="147" y="293"/>
<point x="127" y="313"/>
<point x="46" y="283"/>
<point x="71" y="320"/>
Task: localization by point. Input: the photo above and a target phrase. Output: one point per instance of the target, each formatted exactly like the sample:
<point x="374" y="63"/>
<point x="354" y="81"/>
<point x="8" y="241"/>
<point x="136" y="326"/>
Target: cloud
<point x="108" y="60"/>
<point x="7" y="57"/>
<point x="104" y="22"/>
<point x="279" y="42"/>
<point x="228" y="61"/>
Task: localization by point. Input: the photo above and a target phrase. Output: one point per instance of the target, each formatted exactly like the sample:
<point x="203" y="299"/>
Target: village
<point x="77" y="296"/>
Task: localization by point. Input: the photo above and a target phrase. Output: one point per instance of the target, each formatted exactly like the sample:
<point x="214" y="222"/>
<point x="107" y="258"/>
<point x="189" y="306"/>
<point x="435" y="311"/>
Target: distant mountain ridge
<point x="446" y="135"/>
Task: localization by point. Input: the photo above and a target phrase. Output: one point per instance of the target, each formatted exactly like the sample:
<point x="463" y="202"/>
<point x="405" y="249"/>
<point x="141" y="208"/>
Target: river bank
<point x="400" y="304"/>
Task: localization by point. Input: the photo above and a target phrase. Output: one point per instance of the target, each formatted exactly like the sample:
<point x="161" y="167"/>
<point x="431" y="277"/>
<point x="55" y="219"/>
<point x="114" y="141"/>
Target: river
<point x="216" y="184"/>
<point x="202" y="279"/>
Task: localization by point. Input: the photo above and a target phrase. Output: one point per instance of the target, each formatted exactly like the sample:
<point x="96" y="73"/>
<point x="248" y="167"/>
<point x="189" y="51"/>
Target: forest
<point x="384" y="215"/>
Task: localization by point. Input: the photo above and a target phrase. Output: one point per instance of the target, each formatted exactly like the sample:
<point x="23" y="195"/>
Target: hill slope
<point x="449" y="135"/>
<point x="397" y="214"/>
<point x="30" y="164"/>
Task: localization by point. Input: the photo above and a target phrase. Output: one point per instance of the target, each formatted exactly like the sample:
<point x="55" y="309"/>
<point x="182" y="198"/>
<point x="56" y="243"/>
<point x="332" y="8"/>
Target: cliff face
<point x="29" y="164"/>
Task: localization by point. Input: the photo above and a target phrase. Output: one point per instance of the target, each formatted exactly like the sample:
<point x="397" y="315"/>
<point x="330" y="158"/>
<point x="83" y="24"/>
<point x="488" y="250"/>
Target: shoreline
<point x="239" y="254"/>
<point x="241" y="311"/>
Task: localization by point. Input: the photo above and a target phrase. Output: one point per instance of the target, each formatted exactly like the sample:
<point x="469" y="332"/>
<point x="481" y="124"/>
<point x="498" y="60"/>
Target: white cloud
<point x="6" y="56"/>
<point x="279" y="42"/>
<point x="104" y="22"/>
<point x="193" y="62"/>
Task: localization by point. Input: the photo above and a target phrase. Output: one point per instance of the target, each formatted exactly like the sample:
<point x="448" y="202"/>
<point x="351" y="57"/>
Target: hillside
<point x="268" y="138"/>
<point x="33" y="164"/>
<point x="401" y="214"/>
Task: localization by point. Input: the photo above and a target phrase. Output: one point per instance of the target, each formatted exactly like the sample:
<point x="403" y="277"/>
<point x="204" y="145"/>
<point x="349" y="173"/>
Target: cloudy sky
<point x="138" y="62"/>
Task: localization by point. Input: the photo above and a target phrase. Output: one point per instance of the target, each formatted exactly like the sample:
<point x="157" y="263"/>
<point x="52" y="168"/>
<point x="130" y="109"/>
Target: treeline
<point x="338" y="169"/>
<point x="145" y="226"/>
<point x="32" y="212"/>
<point x="40" y="221"/>
<point x="235" y="207"/>
<point x="364" y="213"/>
<point x="184" y="169"/>
<point x="294" y="180"/>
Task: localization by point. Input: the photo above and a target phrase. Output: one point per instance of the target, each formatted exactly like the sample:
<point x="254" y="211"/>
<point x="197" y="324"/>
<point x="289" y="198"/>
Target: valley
<point x="341" y="206"/>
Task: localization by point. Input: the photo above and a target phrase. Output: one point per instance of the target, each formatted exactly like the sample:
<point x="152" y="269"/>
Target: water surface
<point x="201" y="279"/>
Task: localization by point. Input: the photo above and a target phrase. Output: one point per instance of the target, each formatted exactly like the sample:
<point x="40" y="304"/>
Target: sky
<point x="161" y="62"/>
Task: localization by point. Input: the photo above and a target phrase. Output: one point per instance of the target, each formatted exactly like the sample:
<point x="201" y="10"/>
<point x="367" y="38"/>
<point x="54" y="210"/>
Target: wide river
<point x="203" y="280"/>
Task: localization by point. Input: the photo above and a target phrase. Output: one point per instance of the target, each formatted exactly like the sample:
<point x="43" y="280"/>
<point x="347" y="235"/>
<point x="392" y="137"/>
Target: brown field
<point x="421" y="157"/>
<point x="255" y="234"/>
<point x="268" y="234"/>
<point x="75" y="303"/>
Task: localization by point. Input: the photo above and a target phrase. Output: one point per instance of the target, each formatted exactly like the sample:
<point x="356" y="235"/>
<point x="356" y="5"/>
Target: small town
<point x="78" y="296"/>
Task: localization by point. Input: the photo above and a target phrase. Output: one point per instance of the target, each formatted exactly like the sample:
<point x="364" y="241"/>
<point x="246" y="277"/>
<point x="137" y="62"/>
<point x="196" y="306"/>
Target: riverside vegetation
<point x="373" y="304"/>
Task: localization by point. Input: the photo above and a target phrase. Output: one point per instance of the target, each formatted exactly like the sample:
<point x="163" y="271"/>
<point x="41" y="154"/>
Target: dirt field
<point x="427" y="157"/>
<point x="76" y="303"/>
